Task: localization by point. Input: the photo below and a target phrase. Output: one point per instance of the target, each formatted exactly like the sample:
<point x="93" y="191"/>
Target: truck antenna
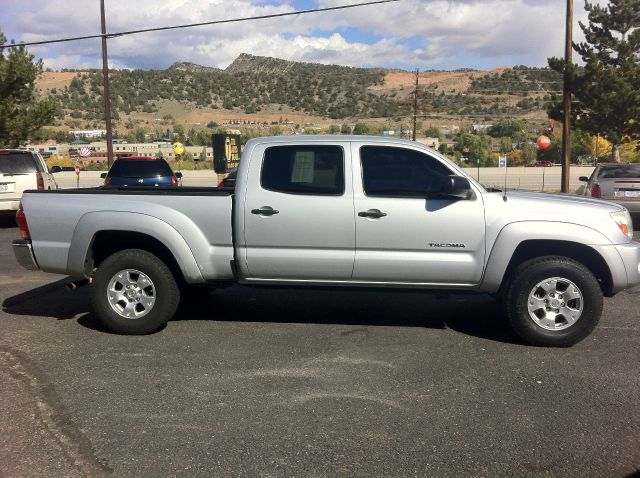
<point x="506" y="169"/>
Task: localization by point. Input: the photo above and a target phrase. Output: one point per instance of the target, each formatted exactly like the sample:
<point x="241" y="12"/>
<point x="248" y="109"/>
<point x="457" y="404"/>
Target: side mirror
<point x="103" y="175"/>
<point x="584" y="179"/>
<point x="456" y="186"/>
<point x="178" y="174"/>
<point x="56" y="169"/>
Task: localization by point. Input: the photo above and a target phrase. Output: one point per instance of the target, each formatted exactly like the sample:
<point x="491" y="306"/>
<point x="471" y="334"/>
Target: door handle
<point x="265" y="211"/>
<point x="374" y="213"/>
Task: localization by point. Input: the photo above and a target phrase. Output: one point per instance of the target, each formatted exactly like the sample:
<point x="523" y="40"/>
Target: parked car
<point x="20" y="170"/>
<point x="540" y="164"/>
<point x="230" y="181"/>
<point x="141" y="171"/>
<point x="337" y="211"/>
<point x="618" y="183"/>
<point x="60" y="169"/>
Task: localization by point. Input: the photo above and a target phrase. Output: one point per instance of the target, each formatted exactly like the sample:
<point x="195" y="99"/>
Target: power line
<point x="190" y="25"/>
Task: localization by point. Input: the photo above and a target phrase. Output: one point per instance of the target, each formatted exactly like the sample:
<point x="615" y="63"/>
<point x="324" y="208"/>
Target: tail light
<point x="596" y="192"/>
<point x="40" y="181"/>
<point x="107" y="181"/>
<point x="174" y="182"/>
<point x="21" y="219"/>
<point x="221" y="183"/>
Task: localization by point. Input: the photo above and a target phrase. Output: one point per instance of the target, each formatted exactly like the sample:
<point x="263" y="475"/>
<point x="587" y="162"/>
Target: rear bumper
<point x="633" y="206"/>
<point x="23" y="251"/>
<point x="9" y="204"/>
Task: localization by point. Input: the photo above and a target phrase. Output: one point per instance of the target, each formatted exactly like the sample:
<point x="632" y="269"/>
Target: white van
<point x="21" y="170"/>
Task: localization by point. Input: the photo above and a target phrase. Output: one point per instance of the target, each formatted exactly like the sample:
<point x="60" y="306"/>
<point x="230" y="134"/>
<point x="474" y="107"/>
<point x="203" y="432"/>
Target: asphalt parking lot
<point x="277" y="382"/>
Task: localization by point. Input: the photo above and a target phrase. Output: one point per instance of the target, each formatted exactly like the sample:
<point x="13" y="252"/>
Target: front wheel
<point x="553" y="301"/>
<point x="134" y="292"/>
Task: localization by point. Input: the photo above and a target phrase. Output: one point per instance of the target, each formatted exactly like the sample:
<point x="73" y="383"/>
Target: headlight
<point x="623" y="220"/>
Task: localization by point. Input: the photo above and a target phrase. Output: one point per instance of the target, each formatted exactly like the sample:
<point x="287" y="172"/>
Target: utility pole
<point x="566" y="102"/>
<point x="415" y="104"/>
<point x="105" y="74"/>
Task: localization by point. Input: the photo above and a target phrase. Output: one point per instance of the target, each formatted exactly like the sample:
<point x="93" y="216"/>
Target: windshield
<point x="16" y="163"/>
<point x="139" y="168"/>
<point x="620" y="171"/>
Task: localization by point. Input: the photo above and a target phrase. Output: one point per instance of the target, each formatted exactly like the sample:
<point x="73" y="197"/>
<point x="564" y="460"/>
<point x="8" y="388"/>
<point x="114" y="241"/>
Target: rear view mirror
<point x="456" y="186"/>
<point x="103" y="175"/>
<point x="56" y="169"/>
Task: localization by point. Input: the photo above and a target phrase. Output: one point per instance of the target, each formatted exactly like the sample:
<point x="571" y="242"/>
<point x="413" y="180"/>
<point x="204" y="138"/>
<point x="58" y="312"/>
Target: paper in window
<point x="303" y="164"/>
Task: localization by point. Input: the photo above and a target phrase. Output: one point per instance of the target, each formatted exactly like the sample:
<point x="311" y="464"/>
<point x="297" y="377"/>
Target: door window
<point x="399" y="172"/>
<point x="315" y="170"/>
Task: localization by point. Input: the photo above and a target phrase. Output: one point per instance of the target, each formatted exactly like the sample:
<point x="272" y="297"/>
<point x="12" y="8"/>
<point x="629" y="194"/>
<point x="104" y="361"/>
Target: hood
<point x="551" y="208"/>
<point x="568" y="201"/>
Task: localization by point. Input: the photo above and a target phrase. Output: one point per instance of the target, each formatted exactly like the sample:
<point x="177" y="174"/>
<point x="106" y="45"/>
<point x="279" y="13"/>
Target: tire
<point x="134" y="293"/>
<point x="553" y="301"/>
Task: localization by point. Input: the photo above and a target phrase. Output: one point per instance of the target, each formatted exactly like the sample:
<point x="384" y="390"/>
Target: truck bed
<point x="193" y="222"/>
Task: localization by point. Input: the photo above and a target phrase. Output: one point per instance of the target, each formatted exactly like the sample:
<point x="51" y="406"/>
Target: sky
<point x="408" y="34"/>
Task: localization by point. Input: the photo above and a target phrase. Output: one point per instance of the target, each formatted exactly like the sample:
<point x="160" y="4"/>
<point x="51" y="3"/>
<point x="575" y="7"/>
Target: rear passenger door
<point x="298" y="213"/>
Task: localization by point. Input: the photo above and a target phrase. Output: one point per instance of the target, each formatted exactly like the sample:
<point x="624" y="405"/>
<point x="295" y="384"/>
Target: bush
<point x="95" y="166"/>
<point x="190" y="165"/>
<point x="59" y="161"/>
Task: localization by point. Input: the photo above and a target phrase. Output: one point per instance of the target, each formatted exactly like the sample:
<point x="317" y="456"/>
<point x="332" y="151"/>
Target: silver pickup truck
<point x="347" y="211"/>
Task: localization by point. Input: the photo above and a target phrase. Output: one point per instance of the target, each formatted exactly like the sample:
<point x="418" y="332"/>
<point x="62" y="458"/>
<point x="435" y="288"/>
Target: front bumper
<point x="23" y="251"/>
<point x="630" y="254"/>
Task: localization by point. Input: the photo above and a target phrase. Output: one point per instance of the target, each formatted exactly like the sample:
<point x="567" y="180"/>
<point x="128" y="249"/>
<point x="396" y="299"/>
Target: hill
<point x="262" y="89"/>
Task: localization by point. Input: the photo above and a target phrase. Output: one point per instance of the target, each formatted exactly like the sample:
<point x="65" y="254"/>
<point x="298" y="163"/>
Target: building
<point x="89" y="133"/>
<point x="46" y="148"/>
<point x="99" y="150"/>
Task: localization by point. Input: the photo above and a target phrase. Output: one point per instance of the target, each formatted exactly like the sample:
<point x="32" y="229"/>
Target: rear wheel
<point x="553" y="301"/>
<point x="134" y="292"/>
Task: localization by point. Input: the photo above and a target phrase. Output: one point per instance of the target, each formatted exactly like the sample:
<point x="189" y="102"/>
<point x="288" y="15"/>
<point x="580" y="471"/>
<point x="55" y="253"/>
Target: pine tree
<point x="22" y="114"/>
<point x="607" y="88"/>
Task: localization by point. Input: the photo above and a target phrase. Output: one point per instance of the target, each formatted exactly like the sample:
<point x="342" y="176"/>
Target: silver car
<point x="618" y="183"/>
<point x="21" y="170"/>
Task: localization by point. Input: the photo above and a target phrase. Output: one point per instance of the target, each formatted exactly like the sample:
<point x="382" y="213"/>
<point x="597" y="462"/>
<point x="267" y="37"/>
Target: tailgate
<point x="12" y="185"/>
<point x="626" y="189"/>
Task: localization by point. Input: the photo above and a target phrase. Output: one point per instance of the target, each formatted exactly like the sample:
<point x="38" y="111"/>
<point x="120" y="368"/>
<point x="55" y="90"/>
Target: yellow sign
<point x="178" y="148"/>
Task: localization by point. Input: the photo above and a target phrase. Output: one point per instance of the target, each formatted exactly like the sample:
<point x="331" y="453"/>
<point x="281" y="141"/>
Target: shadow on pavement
<point x="474" y="315"/>
<point x="49" y="300"/>
<point x="7" y="219"/>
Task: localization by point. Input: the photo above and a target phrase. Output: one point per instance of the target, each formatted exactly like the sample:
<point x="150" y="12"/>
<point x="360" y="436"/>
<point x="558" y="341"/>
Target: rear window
<point x="123" y="168"/>
<point x="303" y="169"/>
<point x="620" y="171"/>
<point x="17" y="163"/>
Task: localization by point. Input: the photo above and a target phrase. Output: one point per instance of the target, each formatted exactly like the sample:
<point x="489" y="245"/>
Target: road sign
<point x="77" y="169"/>
<point x="84" y="152"/>
<point x="502" y="162"/>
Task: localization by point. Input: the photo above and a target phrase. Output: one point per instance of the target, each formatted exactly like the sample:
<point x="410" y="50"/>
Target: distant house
<point x="448" y="144"/>
<point x="431" y="142"/>
<point x="46" y="148"/>
<point x="480" y="128"/>
<point x="89" y="133"/>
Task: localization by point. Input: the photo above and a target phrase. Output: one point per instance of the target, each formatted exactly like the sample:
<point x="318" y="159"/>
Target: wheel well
<point x="579" y="252"/>
<point x="106" y="243"/>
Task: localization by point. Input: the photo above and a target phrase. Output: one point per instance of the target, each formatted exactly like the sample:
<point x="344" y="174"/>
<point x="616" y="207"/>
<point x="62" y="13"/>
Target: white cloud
<point x="415" y="33"/>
